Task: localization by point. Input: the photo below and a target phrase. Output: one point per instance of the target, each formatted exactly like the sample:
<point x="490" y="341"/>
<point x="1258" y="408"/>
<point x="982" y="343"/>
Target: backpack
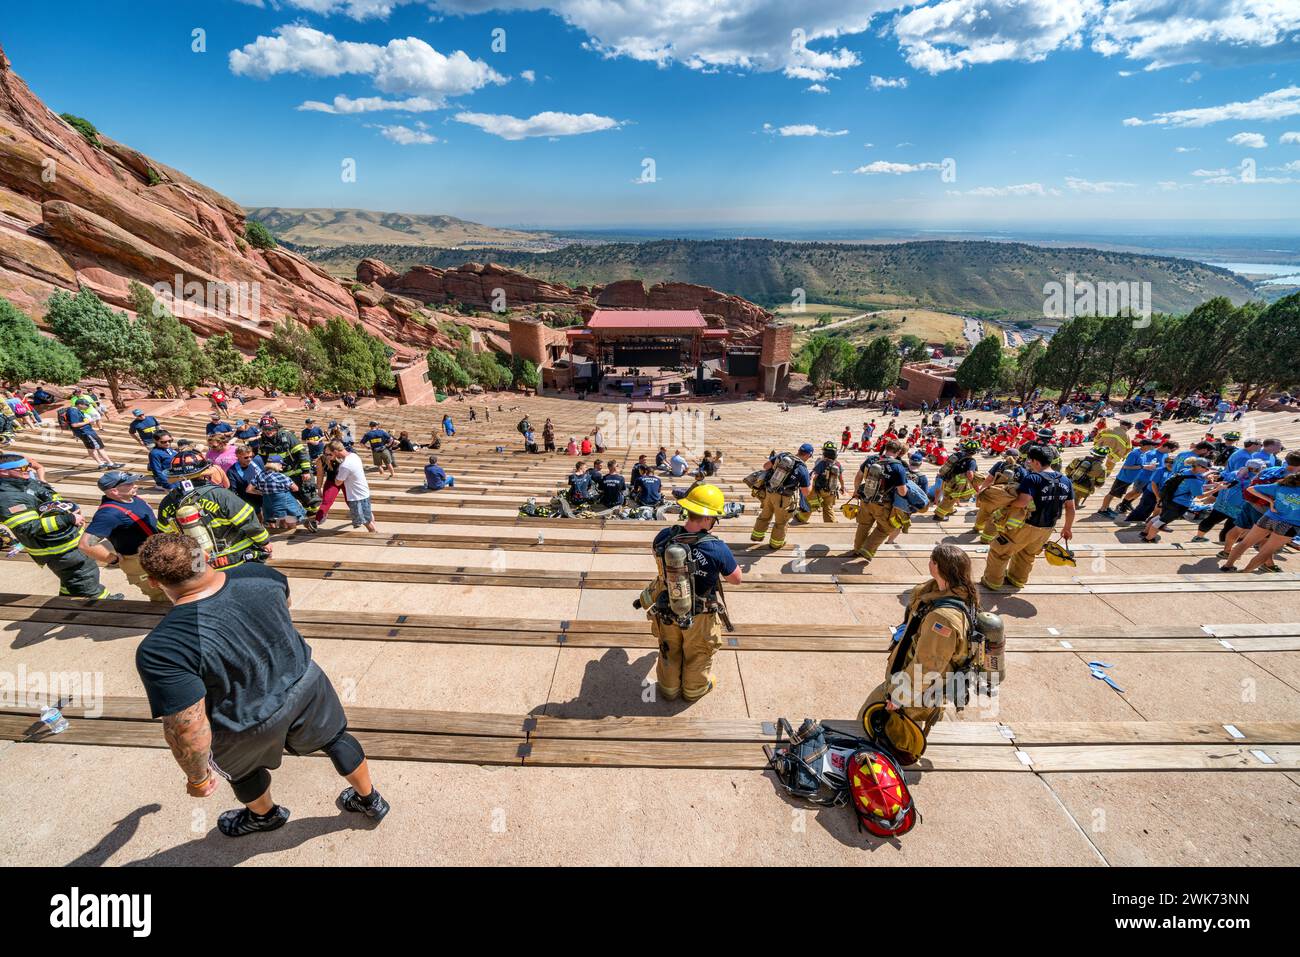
<point x="877" y="486"/>
<point x="913" y="495"/>
<point x="1171" y="486"/>
<point x="822" y="482"/>
<point x="62" y="418"/>
<point x="956" y="465"/>
<point x="830" y="768"/>
<point x="779" y="479"/>
<point x="523" y="426"/>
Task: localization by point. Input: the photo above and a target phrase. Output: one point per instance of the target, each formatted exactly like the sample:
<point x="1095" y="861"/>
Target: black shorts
<point x="309" y="720"/>
<point x="1172" y="513"/>
<point x="90" y="439"/>
<point x="1119" y="487"/>
<point x="1278" y="527"/>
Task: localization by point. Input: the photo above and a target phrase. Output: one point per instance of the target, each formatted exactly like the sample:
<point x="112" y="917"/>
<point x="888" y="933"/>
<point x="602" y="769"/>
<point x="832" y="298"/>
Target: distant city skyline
<point x="608" y="114"/>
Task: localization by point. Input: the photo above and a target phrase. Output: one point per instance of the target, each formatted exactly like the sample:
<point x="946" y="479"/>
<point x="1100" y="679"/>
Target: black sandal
<point x="242" y="821"/>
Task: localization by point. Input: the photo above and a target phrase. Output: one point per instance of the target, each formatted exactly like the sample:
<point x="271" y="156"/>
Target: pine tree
<point x="983" y="367"/>
<point x="28" y="356"/>
<point x="176" y="363"/>
<point x="225" y="363"/>
<point x="108" y="343"/>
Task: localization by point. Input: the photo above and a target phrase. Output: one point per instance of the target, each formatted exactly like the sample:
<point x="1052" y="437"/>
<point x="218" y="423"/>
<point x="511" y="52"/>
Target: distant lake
<point x="1259" y="269"/>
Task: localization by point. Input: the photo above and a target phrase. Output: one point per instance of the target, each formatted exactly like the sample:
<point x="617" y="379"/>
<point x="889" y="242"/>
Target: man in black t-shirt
<point x="1012" y="554"/>
<point x="235" y="686"/>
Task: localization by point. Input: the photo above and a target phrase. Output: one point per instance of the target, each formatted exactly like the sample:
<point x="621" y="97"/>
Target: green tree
<point x="269" y="371"/>
<point x="1269" y="354"/>
<point x="349" y="363"/>
<point x="914" y="348"/>
<point x="108" y="343"/>
<point x="176" y="363"/>
<point x="1025" y="373"/>
<point x="1140" y="362"/>
<point x="258" y="235"/>
<point x="876" y="367"/>
<point x="525" y="373"/>
<point x="1201" y="347"/>
<point x="445" y="372"/>
<point x="1111" y="340"/>
<point x="28" y="356"/>
<point x="225" y="363"/>
<point x="381" y="360"/>
<point x="1068" y="356"/>
<point x="295" y="343"/>
<point x="982" y="368"/>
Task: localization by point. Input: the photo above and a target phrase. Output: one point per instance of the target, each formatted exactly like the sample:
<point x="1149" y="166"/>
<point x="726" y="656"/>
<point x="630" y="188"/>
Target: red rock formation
<point x="476" y="285"/>
<point x="72" y="214"/>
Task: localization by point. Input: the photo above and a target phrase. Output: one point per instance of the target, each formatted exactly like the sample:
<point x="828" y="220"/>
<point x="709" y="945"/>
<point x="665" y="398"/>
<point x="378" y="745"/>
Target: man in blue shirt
<point x="434" y="476"/>
<point x="687" y="642"/>
<point x="649" y="491"/>
<point x="875" y="507"/>
<point x="1012" y="554"/>
<point x="314" y="436"/>
<point x="1250" y="449"/>
<point x="1130" y="471"/>
<point x="579" y="491"/>
<point x="248" y="466"/>
<point x="119" y="527"/>
<point x="613" y="487"/>
<point x="776" y="501"/>
<point x="378" y="441"/>
<point x="248" y="433"/>
<point x="216" y="425"/>
<point x="160" y="457"/>
<point x="82" y="428"/>
<point x="143" y="427"/>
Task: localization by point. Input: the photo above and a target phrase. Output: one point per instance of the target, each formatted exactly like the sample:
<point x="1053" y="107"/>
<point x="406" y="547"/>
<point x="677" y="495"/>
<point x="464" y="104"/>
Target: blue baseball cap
<point x="917" y="457"/>
<point x="115" y="478"/>
<point x="806" y="447"/>
<point x="137" y="411"/>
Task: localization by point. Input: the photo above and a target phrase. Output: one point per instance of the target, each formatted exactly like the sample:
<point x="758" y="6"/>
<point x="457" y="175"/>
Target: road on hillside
<point x="973" y="330"/>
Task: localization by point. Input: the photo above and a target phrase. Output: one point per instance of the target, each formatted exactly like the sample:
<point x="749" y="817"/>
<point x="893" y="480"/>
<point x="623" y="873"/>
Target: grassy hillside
<point x="983" y="278"/>
<point x="337" y="227"/>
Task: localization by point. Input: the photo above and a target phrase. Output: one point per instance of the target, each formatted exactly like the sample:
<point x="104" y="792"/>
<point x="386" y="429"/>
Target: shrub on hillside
<point x="84" y="127"/>
<point x="259" y="235"/>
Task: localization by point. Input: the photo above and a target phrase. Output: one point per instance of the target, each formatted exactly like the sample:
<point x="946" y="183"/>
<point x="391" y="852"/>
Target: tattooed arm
<point x="189" y="736"/>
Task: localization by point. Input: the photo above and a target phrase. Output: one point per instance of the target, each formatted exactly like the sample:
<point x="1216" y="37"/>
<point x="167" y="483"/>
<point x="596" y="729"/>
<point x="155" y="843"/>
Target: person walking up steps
<point x="1012" y="554"/>
<point x="877" y="480"/>
<point x="828" y="480"/>
<point x="786" y="476"/>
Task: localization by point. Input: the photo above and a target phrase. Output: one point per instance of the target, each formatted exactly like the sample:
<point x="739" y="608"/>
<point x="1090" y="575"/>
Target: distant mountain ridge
<point x="981" y="277"/>
<point x="336" y="227"/>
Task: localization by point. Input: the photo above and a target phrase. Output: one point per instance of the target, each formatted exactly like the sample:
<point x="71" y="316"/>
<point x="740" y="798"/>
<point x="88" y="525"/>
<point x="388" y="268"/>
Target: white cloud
<point x="888" y="83"/>
<point x="1022" y="189"/>
<point x="405" y="136"/>
<point x="541" y="124"/>
<point x="1270" y="106"/>
<point x="407" y="65"/>
<point x="894" y="169"/>
<point x="1187" y="149"/>
<point x="371" y="104"/>
<point x="356" y="9"/>
<point x="528" y="76"/>
<point x="1125" y="72"/>
<point x="801" y="129"/>
<point x="1209" y="172"/>
<point x="1291" y="167"/>
<point x="1085" y="186"/>
<point x="1289" y="138"/>
<point x="1254" y="141"/>
<point x="1191" y="77"/>
<point x="817" y="88"/>
<point x="953" y="34"/>
<point x="1165" y="33"/>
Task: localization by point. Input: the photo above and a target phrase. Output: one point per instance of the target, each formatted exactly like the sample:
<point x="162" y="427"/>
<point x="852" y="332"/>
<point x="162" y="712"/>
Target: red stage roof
<point x="646" y="319"/>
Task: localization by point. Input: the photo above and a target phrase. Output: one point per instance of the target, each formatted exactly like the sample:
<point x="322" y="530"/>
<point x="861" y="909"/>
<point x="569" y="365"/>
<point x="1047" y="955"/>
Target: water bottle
<point x="541" y="539"/>
<point x="54" y="720"/>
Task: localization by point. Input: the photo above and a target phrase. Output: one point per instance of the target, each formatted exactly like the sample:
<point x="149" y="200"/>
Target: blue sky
<point x="862" y="112"/>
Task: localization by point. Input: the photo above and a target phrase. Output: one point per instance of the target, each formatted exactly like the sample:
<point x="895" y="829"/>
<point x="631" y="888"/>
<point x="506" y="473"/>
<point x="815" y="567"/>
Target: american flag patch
<point x="943" y="629"/>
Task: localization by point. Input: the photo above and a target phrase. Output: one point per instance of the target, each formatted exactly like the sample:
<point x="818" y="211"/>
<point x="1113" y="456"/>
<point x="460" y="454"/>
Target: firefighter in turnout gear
<point x="685" y="603"/>
<point x="1088" y="473"/>
<point x="937" y="642"/>
<point x="786" y="477"/>
<point x="827" y="482"/>
<point x="1115" y="441"/>
<point x="960" y="477"/>
<point x="223" y="524"/>
<point x="877" y="480"/>
<point x="48" y="527"/>
<point x="1012" y="555"/>
<point x="297" y="464"/>
<point x="998" y="490"/>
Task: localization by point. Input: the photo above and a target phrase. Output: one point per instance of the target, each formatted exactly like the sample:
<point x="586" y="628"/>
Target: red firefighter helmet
<point x="879" y="794"/>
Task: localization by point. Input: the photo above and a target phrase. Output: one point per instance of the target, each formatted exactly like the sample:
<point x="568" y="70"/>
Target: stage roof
<point x="647" y="319"/>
